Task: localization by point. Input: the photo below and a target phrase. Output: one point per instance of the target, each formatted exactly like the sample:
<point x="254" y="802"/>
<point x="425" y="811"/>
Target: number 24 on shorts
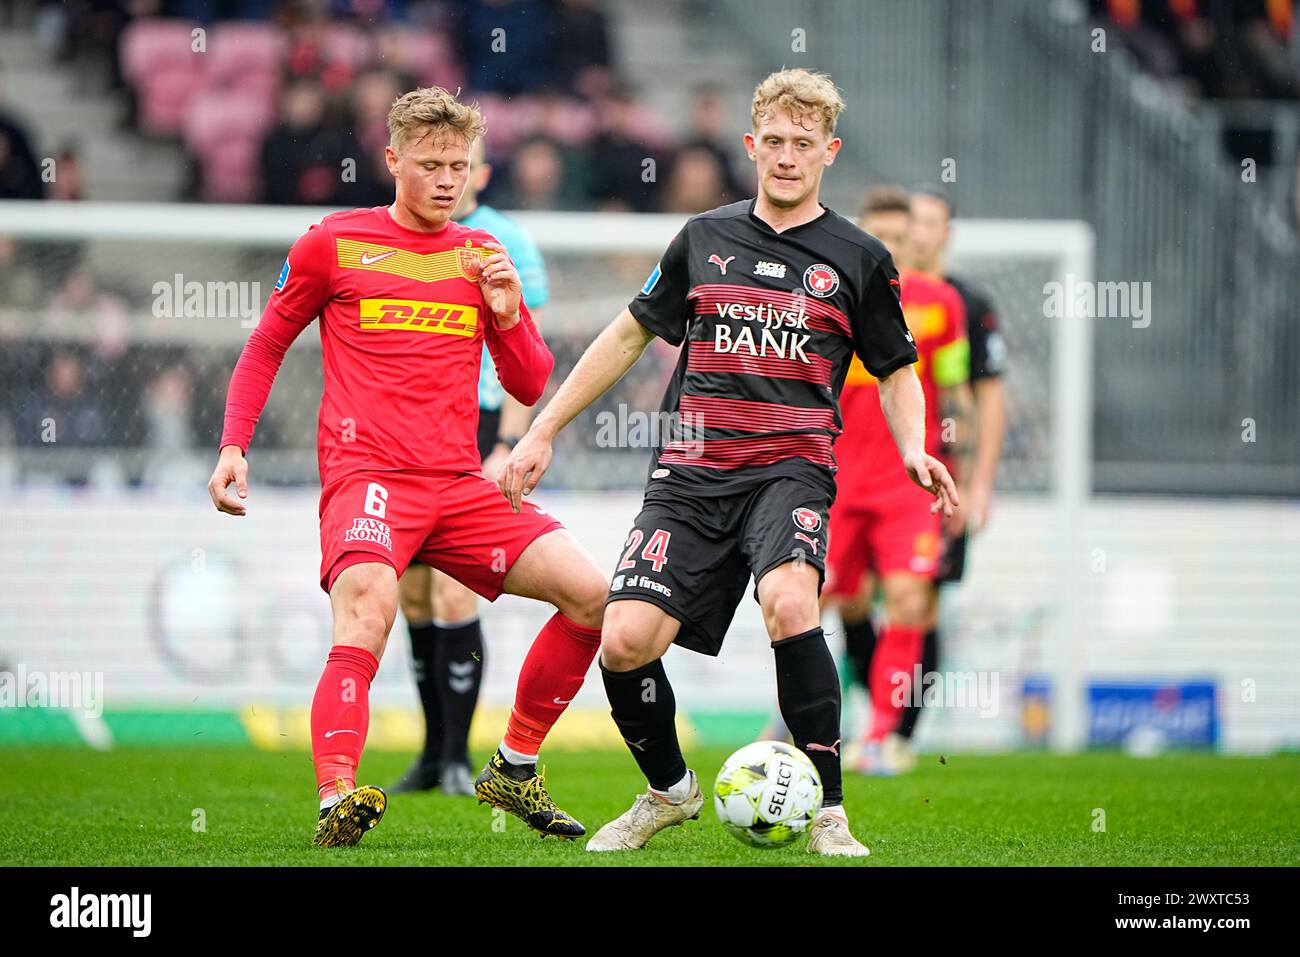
<point x="655" y="551"/>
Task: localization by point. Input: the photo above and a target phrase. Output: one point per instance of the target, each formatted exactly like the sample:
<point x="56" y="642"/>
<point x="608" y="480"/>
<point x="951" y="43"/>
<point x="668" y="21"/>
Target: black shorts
<point x="952" y="562"/>
<point x="693" y="555"/>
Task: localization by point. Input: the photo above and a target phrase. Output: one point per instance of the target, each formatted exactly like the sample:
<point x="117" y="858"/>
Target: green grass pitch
<point x="138" y="806"/>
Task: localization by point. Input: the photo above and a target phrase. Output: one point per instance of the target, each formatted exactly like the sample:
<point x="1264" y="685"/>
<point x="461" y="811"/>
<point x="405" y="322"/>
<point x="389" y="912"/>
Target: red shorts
<point x="889" y="533"/>
<point x="460" y="524"/>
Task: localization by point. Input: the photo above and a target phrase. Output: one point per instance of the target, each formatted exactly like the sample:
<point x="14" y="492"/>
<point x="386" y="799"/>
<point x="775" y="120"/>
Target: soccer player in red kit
<point x="407" y="299"/>
<point x="882" y="529"/>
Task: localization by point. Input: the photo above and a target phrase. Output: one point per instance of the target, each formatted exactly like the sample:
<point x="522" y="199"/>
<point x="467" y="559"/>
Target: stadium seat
<point x="224" y="130"/>
<point x="159" y="63"/>
<point x="246" y="54"/>
<point x="150" y="44"/>
<point x="427" y="55"/>
<point x="346" y="46"/>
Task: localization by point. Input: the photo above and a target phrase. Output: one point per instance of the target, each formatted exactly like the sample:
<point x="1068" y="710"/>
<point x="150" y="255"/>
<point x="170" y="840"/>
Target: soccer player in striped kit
<point x="769" y="300"/>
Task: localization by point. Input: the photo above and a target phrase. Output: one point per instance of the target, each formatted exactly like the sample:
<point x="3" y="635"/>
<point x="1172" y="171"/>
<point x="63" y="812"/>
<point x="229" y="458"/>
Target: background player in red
<point x="407" y="299"/>
<point x="882" y="530"/>
<point x="928" y="237"/>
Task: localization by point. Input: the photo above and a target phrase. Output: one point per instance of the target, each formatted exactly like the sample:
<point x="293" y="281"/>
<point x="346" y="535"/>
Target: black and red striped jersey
<point x="768" y="323"/>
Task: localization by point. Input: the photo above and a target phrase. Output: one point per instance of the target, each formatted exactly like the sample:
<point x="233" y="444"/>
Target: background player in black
<point x="769" y="299"/>
<point x="932" y="212"/>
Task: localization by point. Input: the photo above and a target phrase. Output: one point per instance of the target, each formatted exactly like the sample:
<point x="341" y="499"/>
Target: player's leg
<point x="635" y="638"/>
<point x="482" y="543"/>
<point x="555" y="569"/>
<point x="458" y="673"/>
<point x="905" y="547"/>
<point x="929" y="666"/>
<point x="784" y="539"/>
<point x="848" y="591"/>
<point x="894" y="682"/>
<point x="415" y="596"/>
<point x="951" y="568"/>
<point x="363" y="597"/>
<point x="679" y="579"/>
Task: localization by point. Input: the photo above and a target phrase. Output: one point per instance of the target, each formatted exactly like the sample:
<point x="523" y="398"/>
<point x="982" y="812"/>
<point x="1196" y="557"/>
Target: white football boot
<point x="831" y="837"/>
<point x="648" y="815"/>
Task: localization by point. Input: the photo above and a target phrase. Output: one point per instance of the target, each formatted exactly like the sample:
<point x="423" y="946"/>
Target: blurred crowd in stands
<point x="284" y="101"/>
<point x="1214" y="49"/>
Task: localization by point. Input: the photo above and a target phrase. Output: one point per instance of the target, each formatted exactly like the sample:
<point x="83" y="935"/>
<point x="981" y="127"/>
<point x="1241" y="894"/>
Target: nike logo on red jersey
<point x="367" y="259"/>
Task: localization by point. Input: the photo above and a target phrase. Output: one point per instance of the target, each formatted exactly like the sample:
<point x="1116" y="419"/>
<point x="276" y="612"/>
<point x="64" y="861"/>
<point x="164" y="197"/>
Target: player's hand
<point x="932" y="475"/>
<point x="524" y="468"/>
<point x="495" y="461"/>
<point x="499" y="281"/>
<point x="231" y="467"/>
<point x="978" y="501"/>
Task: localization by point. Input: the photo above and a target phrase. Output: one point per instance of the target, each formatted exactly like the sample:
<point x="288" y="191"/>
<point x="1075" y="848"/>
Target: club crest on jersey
<point x="468" y="260"/>
<point x="721" y="263"/>
<point x="821" y="280"/>
<point x="807" y="519"/>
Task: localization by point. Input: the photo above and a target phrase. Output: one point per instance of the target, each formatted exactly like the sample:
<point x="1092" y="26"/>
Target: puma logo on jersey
<point x="720" y="262"/>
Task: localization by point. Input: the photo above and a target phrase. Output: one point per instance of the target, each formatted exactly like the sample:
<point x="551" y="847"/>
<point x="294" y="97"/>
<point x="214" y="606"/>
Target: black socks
<point x="642" y="704"/>
<point x="808" y="690"/>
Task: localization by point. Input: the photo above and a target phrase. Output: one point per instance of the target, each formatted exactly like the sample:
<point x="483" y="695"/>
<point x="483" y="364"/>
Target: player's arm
<point x="515" y="416"/>
<point x="515" y="419"/>
<point x="903" y="404"/>
<point x="606" y="361"/>
<point x="299" y="295"/>
<point x="991" y="426"/>
<point x="957" y="405"/>
<point x="987" y="358"/>
<point x="659" y="309"/>
<point x="523" y="361"/>
<point x="950" y="367"/>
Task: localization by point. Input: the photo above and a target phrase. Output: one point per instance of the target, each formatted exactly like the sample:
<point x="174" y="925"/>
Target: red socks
<point x="898" y="650"/>
<point x="551" y="675"/>
<point x="340" y="716"/>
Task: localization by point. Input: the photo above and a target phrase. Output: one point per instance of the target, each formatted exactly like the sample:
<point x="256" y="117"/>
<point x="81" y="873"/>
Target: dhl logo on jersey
<point x="423" y="267"/>
<point x="448" y="318"/>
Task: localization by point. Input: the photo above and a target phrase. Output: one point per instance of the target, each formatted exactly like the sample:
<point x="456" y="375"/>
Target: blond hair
<point x="433" y="108"/>
<point x="802" y="93"/>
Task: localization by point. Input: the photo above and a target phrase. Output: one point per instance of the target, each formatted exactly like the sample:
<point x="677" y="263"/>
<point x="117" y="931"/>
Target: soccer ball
<point x="767" y="793"/>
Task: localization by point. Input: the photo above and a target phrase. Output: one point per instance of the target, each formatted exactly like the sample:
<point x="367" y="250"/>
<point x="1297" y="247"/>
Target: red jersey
<point x="403" y="326"/>
<point x="869" y="464"/>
